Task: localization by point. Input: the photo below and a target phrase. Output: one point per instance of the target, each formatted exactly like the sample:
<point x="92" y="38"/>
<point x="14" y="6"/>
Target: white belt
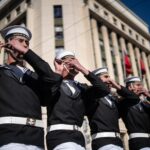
<point x="105" y="134"/>
<point x="139" y="135"/>
<point x="22" y="121"/>
<point x="63" y="127"/>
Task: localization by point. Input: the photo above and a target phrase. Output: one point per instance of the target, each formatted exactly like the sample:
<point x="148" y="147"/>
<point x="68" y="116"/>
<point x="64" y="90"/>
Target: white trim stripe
<point x="104" y="70"/>
<point x="18" y="30"/>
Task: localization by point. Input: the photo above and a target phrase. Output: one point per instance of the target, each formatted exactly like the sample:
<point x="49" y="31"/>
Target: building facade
<point x="100" y="32"/>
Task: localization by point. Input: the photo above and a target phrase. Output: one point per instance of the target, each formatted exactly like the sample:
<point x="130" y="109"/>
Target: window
<point x="113" y="53"/>
<point x="100" y="36"/>
<point x="115" y="72"/>
<point x="123" y="27"/>
<point x="59" y="35"/>
<point x="18" y="11"/>
<point x="106" y="14"/>
<point x="104" y="62"/>
<point x="96" y="6"/>
<point x="58" y="29"/>
<point x="58" y="26"/>
<point x="143" y="41"/>
<point x="130" y="31"/>
<point x="8" y="18"/>
<point x="115" y="21"/>
<point x="102" y="50"/>
<point x="137" y="37"/>
<point x="58" y="11"/>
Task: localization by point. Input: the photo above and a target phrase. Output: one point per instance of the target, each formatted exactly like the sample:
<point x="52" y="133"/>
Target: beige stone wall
<point x="80" y="23"/>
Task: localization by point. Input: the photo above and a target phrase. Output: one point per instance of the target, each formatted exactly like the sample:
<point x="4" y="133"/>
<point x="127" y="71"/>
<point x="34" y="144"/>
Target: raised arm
<point x="128" y="96"/>
<point x="98" y="88"/>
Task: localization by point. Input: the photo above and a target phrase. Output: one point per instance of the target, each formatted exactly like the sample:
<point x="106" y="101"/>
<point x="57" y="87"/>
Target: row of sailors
<point x="23" y="92"/>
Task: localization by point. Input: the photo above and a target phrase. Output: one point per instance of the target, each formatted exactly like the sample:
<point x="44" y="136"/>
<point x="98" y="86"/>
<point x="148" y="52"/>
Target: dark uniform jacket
<point x="68" y="108"/>
<point x="103" y="117"/>
<point x="136" y="118"/>
<point x="21" y="95"/>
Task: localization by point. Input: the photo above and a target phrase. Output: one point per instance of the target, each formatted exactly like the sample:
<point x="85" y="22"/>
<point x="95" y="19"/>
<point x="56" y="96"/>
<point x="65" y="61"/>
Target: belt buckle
<point x="48" y="128"/>
<point x="75" y="127"/>
<point x="117" y="135"/>
<point x="30" y="121"/>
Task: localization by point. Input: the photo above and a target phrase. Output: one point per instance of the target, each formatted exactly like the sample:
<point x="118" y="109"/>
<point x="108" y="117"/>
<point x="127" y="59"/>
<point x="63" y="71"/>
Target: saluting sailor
<point x="22" y="92"/>
<point x="103" y="116"/>
<point x="135" y="111"/>
<point x="66" y="110"/>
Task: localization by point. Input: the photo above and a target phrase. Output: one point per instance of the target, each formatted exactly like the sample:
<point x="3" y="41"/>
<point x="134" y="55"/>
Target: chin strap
<point x="16" y="56"/>
<point x="68" y="70"/>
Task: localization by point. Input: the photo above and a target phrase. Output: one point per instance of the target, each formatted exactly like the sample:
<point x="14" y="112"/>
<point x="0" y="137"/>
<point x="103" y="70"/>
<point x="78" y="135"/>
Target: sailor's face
<point x="106" y="79"/>
<point x="71" y="70"/>
<point x="136" y="87"/>
<point x="22" y="40"/>
<point x="16" y="43"/>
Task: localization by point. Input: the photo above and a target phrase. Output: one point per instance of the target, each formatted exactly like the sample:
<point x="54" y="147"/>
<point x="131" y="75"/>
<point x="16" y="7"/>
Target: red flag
<point x="127" y="63"/>
<point x="143" y="70"/>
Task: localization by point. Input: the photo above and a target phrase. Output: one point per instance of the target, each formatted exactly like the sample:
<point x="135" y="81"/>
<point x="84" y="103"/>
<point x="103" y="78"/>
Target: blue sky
<point x="140" y="8"/>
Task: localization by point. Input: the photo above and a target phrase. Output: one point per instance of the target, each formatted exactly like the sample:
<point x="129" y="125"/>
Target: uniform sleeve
<point x="148" y="98"/>
<point x="98" y="88"/>
<point x="41" y="67"/>
<point x="129" y="97"/>
<point x="124" y="92"/>
<point x="43" y="78"/>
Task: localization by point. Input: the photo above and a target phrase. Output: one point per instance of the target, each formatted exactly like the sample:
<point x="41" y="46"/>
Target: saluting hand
<point x="145" y="92"/>
<point x="76" y="64"/>
<point x="59" y="66"/>
<point x="146" y="102"/>
<point x="115" y="84"/>
<point x="1" y="45"/>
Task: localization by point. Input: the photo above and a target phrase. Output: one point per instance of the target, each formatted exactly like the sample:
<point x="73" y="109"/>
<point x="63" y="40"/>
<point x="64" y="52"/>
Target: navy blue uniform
<point x="22" y="95"/>
<point x="69" y="108"/>
<point x="136" y="118"/>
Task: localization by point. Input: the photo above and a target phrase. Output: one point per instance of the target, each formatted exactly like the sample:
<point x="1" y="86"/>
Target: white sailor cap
<point x="100" y="71"/>
<point x="16" y="30"/>
<point x="132" y="79"/>
<point x="63" y="53"/>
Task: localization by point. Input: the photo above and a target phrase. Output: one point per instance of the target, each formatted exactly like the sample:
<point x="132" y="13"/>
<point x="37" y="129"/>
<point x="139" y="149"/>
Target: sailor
<point x="66" y="112"/>
<point x="135" y="110"/>
<point x="22" y="92"/>
<point x="103" y="116"/>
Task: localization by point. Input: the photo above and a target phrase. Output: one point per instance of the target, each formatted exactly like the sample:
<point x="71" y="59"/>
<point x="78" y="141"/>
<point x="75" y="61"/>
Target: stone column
<point x="29" y="22"/>
<point x="96" y="45"/>
<point x="138" y="56"/>
<point x="148" y="59"/>
<point x="1" y="54"/>
<point x="132" y="57"/>
<point x="123" y="48"/>
<point x="146" y="67"/>
<point x="117" y="57"/>
<point x="122" y="43"/>
<point x="107" y="51"/>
